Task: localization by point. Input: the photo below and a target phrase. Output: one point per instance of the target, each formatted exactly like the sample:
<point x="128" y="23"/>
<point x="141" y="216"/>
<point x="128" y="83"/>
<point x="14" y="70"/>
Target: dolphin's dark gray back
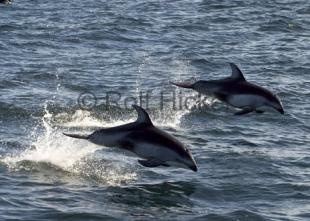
<point x="142" y="121"/>
<point x="143" y="131"/>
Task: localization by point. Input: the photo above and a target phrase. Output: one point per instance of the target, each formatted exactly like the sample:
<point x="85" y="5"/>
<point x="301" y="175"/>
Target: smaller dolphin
<point x="237" y="92"/>
<point x="141" y="137"/>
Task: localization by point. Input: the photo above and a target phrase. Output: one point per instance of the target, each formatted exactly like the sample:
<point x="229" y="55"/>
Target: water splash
<point x="184" y="101"/>
<point x="81" y="118"/>
<point x="51" y="146"/>
<point x="71" y="155"/>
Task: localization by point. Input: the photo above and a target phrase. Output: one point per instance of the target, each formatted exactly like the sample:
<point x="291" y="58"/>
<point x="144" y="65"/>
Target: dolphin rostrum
<point x="154" y="146"/>
<point x="237" y="92"/>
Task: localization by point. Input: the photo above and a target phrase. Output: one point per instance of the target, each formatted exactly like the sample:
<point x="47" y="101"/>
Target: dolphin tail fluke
<point x="185" y="84"/>
<point x="77" y="136"/>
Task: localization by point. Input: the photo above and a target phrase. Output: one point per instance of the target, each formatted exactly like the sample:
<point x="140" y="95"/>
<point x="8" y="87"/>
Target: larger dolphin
<point x="156" y="147"/>
<point x="237" y="92"/>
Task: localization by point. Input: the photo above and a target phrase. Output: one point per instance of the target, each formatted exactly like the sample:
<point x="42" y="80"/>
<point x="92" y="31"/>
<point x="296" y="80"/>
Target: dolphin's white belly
<point x="245" y="100"/>
<point x="145" y="150"/>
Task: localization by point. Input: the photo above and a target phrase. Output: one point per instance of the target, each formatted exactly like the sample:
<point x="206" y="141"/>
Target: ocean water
<point x="61" y="61"/>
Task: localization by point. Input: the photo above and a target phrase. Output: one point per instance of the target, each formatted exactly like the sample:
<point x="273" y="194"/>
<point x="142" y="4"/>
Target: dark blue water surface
<point x="252" y="167"/>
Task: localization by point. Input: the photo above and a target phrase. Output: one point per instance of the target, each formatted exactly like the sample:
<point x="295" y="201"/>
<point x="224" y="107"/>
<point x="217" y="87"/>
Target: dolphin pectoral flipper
<point x="152" y="163"/>
<point x="244" y="111"/>
<point x="259" y="111"/>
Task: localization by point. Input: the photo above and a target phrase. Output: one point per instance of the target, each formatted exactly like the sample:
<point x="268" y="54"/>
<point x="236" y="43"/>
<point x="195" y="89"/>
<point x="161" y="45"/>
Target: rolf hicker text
<point x="175" y="100"/>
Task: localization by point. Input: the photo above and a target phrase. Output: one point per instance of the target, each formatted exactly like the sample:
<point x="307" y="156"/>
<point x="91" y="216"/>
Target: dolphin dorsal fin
<point x="143" y="116"/>
<point x="236" y="73"/>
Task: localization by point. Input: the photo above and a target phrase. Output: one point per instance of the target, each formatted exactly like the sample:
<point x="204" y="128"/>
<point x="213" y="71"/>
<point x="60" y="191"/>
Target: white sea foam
<point x="83" y="119"/>
<point x="72" y="155"/>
